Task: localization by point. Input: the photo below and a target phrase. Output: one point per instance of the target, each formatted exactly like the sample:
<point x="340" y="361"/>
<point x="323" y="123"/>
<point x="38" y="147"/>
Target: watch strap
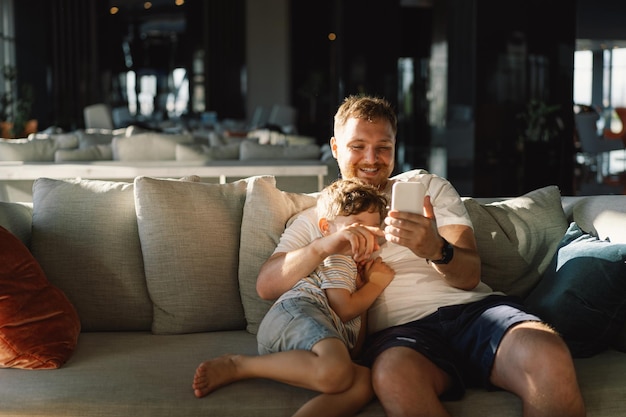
<point x="447" y="253"/>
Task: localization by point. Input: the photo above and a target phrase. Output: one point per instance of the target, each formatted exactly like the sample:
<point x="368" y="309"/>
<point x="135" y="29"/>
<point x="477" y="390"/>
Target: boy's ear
<point x="324" y="225"/>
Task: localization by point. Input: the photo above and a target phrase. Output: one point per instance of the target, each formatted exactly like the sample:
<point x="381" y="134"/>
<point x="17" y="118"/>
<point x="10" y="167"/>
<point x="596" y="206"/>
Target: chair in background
<point x="608" y="133"/>
<point x="259" y="118"/>
<point x="98" y="116"/>
<point x="594" y="147"/>
<point x="283" y="116"/>
<point x="121" y="117"/>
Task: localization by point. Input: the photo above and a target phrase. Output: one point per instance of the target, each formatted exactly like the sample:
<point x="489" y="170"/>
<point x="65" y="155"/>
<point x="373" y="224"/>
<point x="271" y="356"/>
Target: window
<point x="583" y="76"/>
<point x="618" y="77"/>
<point x="7" y="40"/>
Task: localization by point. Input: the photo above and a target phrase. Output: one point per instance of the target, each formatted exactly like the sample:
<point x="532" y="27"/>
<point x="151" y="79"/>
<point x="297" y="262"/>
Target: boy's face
<point x="365" y="150"/>
<point x="365" y="218"/>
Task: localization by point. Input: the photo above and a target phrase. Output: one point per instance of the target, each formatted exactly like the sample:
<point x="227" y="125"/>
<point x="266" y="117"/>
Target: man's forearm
<point x="282" y="270"/>
<point x="464" y="270"/>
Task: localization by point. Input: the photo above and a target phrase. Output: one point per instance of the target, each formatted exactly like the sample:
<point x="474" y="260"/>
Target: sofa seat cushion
<point x="39" y="327"/>
<point x="517" y="237"/>
<point x="144" y="375"/>
<point x="583" y="292"/>
<point x="85" y="238"/>
<point x="190" y="243"/>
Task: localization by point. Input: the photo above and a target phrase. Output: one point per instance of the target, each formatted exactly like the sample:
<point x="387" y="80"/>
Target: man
<point x="436" y="327"/>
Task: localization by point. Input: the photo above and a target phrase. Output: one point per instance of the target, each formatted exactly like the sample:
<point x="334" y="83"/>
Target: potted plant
<point x="15" y="109"/>
<point x="538" y="144"/>
<point x="541" y="122"/>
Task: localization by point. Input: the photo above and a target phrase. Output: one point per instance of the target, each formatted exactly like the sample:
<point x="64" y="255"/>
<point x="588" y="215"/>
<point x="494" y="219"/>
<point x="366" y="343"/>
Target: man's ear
<point x="324" y="226"/>
<point x="333" y="146"/>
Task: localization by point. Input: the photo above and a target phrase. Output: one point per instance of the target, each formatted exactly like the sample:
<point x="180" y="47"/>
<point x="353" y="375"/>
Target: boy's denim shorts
<point x="460" y="339"/>
<point x="295" y="323"/>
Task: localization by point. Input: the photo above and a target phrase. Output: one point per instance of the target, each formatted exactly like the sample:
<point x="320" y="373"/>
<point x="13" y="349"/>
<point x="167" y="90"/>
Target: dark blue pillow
<point x="583" y="292"/>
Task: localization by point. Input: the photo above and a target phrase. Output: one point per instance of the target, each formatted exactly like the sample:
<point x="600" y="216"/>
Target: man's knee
<point x="404" y="367"/>
<point x="532" y="351"/>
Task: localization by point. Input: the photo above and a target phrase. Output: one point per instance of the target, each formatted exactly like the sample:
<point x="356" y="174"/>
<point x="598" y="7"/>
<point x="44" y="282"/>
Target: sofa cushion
<point x="149" y="146"/>
<point x="583" y="292"/>
<point x="266" y="212"/>
<point x="190" y="242"/>
<point x="92" y="137"/>
<point x="250" y="150"/>
<point x="604" y="217"/>
<point x="36" y="150"/>
<point x="92" y="153"/>
<point x="85" y="238"/>
<point x="516" y="238"/>
<point x="196" y="152"/>
<point x="39" y="327"/>
<point x="191" y="152"/>
<point x="63" y="140"/>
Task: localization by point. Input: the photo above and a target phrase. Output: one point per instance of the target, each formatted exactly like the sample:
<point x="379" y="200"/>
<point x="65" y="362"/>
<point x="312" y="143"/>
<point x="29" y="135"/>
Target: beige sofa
<point x="162" y="276"/>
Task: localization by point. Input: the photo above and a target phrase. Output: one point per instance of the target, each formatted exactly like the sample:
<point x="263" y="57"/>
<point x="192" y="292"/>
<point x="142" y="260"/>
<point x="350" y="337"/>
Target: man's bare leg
<point x="534" y="363"/>
<point x="408" y="384"/>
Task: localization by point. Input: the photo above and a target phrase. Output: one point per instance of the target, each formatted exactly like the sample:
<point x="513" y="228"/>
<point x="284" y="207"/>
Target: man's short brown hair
<point x="368" y="108"/>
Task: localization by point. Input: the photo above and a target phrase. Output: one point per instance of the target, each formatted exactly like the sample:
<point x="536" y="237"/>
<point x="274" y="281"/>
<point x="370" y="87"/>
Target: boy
<point x="306" y="337"/>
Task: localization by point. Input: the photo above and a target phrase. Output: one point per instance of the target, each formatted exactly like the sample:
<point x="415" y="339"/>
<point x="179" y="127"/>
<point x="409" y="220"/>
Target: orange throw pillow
<point x="39" y="327"/>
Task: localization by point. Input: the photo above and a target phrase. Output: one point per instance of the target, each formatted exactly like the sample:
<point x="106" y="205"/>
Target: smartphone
<point x="408" y="196"/>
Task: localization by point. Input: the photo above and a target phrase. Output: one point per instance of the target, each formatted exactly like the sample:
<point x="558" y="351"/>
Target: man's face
<point x="365" y="150"/>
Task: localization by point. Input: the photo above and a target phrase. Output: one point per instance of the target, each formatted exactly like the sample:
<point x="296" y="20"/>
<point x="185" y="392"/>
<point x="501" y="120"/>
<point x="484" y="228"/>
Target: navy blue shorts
<point x="460" y="339"/>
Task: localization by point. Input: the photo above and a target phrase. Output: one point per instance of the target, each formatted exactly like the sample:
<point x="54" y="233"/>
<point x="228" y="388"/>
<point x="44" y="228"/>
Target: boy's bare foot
<point x="213" y="374"/>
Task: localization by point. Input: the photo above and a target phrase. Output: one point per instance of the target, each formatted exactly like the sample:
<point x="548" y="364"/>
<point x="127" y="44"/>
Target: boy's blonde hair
<point x="365" y="107"/>
<point x="346" y="197"/>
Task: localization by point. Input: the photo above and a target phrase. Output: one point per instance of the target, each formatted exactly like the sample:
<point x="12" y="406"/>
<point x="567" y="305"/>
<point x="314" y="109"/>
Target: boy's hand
<point x="377" y="272"/>
<point x="356" y="240"/>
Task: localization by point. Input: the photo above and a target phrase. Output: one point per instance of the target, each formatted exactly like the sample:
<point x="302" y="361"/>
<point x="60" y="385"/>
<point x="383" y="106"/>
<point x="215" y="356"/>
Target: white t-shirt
<point x="417" y="289"/>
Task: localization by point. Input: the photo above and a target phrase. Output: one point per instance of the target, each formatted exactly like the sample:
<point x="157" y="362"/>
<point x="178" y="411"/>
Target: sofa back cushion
<point x="36" y="150"/>
<point x="148" y="146"/>
<point x="266" y="212"/>
<point x="92" y="153"/>
<point x="251" y="150"/>
<point x="85" y="239"/>
<point x="190" y="242"/>
<point x="517" y="238"/>
<point x="604" y="217"/>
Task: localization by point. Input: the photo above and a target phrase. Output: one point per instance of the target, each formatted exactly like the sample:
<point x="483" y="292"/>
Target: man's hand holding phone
<point x="411" y="221"/>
